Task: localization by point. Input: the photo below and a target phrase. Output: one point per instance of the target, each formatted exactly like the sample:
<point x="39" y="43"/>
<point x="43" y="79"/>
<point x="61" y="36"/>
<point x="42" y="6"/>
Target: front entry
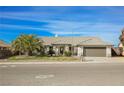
<point x="61" y="50"/>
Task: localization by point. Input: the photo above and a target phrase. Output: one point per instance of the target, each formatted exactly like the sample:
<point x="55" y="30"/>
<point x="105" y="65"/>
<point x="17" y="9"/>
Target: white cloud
<point x="107" y="31"/>
<point x="66" y="27"/>
<point x="18" y="27"/>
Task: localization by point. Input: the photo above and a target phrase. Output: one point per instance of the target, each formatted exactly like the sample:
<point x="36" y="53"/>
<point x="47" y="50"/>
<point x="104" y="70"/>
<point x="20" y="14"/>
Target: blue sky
<point x="103" y="22"/>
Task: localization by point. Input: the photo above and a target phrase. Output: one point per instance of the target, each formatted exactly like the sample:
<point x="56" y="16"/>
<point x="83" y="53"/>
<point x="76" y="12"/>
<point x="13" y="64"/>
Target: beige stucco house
<point x="86" y="46"/>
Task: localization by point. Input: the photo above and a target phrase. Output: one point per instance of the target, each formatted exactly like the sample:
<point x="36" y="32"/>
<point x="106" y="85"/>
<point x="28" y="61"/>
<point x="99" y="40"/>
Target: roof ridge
<point x="86" y="40"/>
<point x="68" y="37"/>
<point x="77" y="40"/>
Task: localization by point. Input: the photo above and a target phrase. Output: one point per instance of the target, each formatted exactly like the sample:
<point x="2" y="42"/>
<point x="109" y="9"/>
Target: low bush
<point x="67" y="53"/>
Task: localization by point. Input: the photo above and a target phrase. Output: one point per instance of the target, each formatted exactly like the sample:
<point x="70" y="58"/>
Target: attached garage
<point x="95" y="51"/>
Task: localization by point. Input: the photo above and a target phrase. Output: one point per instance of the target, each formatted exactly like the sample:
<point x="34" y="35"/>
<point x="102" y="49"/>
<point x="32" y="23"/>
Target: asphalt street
<point x="62" y="74"/>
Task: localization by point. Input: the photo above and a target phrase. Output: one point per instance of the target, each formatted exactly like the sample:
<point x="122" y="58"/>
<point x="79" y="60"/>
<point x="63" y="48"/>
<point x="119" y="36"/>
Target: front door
<point x="61" y="50"/>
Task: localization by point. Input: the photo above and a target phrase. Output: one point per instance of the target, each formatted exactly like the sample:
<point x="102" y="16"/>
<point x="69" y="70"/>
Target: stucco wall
<point x="108" y="51"/>
<point x="80" y="51"/>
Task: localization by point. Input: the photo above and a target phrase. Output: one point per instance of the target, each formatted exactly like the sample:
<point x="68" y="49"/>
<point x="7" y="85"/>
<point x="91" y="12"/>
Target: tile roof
<point x="74" y="40"/>
<point x="2" y="44"/>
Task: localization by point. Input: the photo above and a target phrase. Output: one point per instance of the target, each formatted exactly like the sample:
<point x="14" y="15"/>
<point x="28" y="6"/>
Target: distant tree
<point x="27" y="44"/>
<point x="122" y="37"/>
<point x="122" y="43"/>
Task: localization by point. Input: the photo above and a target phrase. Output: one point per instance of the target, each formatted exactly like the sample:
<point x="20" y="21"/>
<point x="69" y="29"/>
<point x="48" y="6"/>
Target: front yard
<point x="43" y="58"/>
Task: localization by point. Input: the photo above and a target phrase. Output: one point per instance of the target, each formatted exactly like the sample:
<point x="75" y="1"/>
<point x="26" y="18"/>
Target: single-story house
<point x="4" y="50"/>
<point x="86" y="46"/>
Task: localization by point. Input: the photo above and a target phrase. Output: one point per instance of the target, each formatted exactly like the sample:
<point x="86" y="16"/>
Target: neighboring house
<point x="4" y="50"/>
<point x="86" y="46"/>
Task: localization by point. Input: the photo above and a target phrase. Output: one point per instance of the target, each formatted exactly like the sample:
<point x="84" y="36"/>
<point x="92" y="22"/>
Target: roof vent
<point x="56" y="35"/>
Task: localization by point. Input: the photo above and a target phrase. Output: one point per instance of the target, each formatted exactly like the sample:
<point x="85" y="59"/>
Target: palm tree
<point x="27" y="44"/>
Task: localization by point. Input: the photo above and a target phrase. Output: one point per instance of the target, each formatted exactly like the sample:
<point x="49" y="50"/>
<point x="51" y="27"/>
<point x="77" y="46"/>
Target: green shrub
<point x="67" y="53"/>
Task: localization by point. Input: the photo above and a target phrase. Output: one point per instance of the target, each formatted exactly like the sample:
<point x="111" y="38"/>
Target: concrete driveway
<point x="62" y="74"/>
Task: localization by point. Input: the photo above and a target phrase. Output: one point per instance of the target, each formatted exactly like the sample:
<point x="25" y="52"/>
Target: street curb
<point x="57" y="62"/>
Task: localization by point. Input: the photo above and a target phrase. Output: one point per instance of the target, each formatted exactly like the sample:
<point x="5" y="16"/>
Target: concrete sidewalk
<point x="86" y="60"/>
